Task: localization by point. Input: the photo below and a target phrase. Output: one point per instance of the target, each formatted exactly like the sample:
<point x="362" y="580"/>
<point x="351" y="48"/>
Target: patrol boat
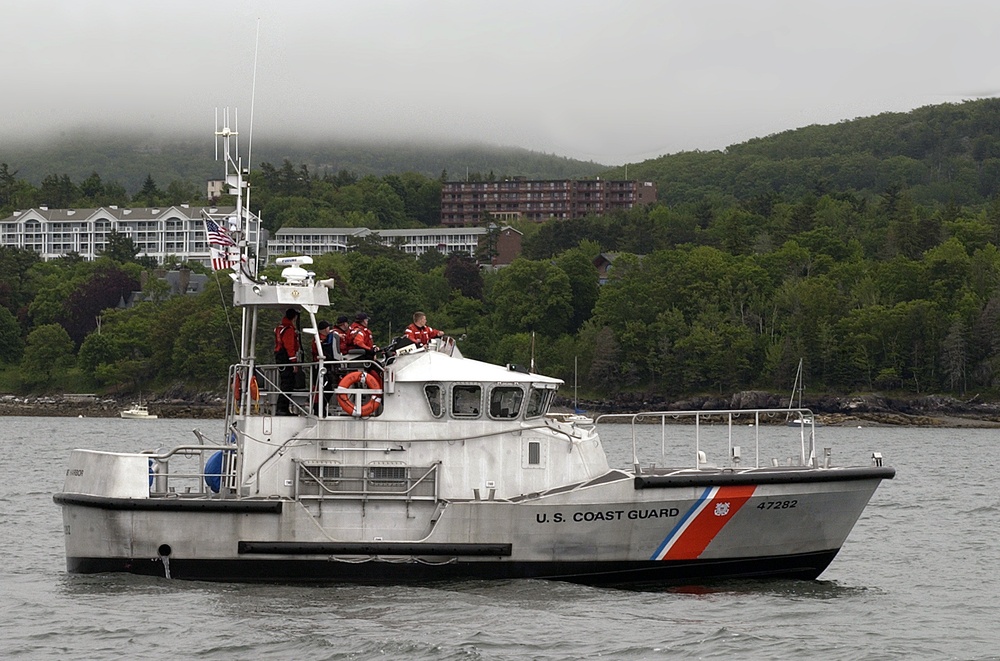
<point x="423" y="465"/>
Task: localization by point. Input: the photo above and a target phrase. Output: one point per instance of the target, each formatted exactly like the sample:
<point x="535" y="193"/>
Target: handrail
<point x="806" y="415"/>
<point x="315" y="373"/>
<point x="363" y="479"/>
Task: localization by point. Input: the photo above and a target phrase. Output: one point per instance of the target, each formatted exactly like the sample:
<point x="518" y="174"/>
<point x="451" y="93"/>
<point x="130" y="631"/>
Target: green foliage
<point x="47" y="352"/>
<point x="15" y="264"/>
<point x="11" y="344"/>
<point x="868" y="248"/>
<point x="120" y="247"/>
<point x="531" y="296"/>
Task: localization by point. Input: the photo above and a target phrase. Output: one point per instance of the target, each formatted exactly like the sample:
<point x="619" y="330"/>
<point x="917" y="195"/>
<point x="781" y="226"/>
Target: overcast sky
<point x="608" y="81"/>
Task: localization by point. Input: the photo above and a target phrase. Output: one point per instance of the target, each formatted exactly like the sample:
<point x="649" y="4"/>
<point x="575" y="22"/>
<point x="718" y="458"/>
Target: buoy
<point x="371" y="383"/>
<point x="213" y="472"/>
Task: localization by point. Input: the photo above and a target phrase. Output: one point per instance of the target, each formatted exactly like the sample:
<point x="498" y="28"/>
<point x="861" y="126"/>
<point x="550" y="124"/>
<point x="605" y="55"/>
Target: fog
<point x="601" y="81"/>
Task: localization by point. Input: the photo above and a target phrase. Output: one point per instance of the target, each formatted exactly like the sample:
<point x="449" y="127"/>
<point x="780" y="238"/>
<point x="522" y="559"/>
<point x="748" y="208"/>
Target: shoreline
<point x="89" y="406"/>
<point x="96" y="407"/>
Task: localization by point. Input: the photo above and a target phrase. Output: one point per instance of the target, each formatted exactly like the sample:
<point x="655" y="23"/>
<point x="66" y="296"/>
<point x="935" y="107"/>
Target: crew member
<point x="419" y="332"/>
<point x="342" y="333"/>
<point x="361" y="336"/>
<point x="286" y="356"/>
<point x="326" y="340"/>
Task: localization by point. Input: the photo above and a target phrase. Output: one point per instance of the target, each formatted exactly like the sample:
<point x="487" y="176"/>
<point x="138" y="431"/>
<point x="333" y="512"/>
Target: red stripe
<point x="707" y="524"/>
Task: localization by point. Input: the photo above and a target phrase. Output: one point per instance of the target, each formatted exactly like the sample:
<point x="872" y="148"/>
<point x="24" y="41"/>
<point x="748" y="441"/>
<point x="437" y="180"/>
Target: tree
<point x="463" y="274"/>
<point x="149" y="195"/>
<point x="98" y="349"/>
<point x="48" y="351"/>
<point x="120" y="247"/>
<point x="578" y="265"/>
<point x="58" y="192"/>
<point x="179" y="192"/>
<point x="532" y="296"/>
<point x="15" y="264"/>
<point x="11" y="344"/>
<point x="488" y="243"/>
<point x="106" y="288"/>
<point x="430" y="260"/>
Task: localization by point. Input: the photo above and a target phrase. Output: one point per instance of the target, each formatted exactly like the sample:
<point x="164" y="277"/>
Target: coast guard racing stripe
<point x="699" y="526"/>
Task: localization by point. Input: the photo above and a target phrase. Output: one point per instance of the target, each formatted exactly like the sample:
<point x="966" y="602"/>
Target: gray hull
<point x="619" y="529"/>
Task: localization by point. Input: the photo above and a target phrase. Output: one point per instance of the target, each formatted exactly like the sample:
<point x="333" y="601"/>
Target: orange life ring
<point x="236" y="389"/>
<point x="371" y="383"/>
<point x="254" y="389"/>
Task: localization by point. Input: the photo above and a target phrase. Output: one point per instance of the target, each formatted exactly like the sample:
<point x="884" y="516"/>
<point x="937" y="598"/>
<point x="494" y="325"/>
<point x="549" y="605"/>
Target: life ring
<point x="254" y="390"/>
<point x="371" y="383"/>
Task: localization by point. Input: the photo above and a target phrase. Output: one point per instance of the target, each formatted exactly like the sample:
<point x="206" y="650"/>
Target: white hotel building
<point x="156" y="232"/>
<point x="319" y="240"/>
<point x="179" y="231"/>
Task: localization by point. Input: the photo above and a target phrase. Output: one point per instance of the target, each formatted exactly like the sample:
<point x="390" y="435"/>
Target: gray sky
<point x="609" y="81"/>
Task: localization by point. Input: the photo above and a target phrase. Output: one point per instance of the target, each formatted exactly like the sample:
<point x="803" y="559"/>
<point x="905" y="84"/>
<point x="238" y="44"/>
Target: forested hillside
<point x="868" y="248"/>
<point x="127" y="160"/>
<point x="940" y="154"/>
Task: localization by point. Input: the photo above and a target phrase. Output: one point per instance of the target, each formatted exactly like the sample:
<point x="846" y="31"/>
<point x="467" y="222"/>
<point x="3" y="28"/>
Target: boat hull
<point x="313" y="570"/>
<point x="626" y="529"/>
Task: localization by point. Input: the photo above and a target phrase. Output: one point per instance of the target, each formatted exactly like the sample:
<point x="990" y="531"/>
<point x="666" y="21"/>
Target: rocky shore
<point x="208" y="406"/>
<point x="868" y="410"/>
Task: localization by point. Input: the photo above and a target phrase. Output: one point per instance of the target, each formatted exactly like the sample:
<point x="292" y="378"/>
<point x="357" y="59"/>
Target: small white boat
<point x="137" y="411"/>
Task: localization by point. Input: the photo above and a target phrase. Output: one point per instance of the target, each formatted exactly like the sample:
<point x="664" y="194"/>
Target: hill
<point x="127" y="159"/>
<point x="948" y="154"/>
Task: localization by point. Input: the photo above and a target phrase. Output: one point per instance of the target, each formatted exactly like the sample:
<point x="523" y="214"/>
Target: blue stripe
<point x="687" y="515"/>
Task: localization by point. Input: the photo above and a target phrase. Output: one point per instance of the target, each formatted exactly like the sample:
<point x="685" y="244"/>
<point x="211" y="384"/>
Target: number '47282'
<point x="778" y="505"/>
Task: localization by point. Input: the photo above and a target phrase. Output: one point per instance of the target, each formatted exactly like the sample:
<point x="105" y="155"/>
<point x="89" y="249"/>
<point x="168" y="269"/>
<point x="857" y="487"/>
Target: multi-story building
<point x="313" y="240"/>
<point x="179" y="231"/>
<point x="446" y="240"/>
<point x="465" y="203"/>
<point x="159" y="233"/>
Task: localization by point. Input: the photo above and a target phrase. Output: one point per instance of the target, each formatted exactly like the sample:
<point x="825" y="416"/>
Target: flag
<point x="225" y="255"/>
<point x="216" y="235"/>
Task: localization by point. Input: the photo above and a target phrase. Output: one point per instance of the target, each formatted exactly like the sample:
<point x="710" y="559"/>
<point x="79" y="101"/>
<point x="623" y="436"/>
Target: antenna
<point x="253" y="97"/>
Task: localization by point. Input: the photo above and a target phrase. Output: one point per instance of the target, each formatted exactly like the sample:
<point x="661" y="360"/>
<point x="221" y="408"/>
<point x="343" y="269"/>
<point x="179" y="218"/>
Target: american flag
<point x="221" y="246"/>
<point x="216" y="235"/>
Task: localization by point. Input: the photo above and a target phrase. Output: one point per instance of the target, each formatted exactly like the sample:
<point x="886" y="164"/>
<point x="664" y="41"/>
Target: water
<point x="916" y="580"/>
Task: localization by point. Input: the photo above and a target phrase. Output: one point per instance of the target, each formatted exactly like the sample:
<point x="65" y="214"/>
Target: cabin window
<point x="466" y="401"/>
<point x="505" y="402"/>
<point x="538" y="403"/>
<point x="435" y="399"/>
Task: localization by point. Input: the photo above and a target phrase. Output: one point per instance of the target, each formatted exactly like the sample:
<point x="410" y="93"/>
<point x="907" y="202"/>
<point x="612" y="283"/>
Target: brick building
<point x="465" y="203"/>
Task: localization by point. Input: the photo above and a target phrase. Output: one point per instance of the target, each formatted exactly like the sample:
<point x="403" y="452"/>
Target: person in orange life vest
<point x="286" y="355"/>
<point x="419" y="332"/>
<point x="361" y="337"/>
<point x="342" y="331"/>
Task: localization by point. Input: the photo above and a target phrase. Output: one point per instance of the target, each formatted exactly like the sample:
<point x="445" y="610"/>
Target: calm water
<point x="917" y="579"/>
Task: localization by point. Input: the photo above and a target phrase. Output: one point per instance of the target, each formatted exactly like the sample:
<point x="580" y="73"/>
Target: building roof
<point x="116" y="212"/>
<point x="328" y="231"/>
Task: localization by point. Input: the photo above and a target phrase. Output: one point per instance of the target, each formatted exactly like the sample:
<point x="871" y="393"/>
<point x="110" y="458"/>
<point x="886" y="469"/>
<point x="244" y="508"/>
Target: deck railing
<point x="733" y="422"/>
